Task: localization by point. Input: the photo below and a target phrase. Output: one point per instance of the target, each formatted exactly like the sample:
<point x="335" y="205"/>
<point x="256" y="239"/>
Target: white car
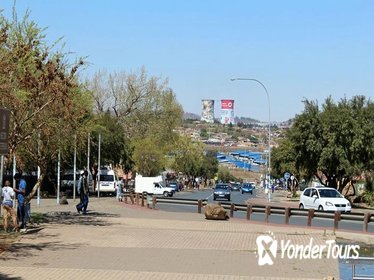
<point x="324" y="199"/>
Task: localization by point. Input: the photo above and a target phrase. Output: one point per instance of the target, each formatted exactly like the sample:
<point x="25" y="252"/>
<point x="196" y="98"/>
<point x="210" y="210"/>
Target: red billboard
<point x="227" y="104"/>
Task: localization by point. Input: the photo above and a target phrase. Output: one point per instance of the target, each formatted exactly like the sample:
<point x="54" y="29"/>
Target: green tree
<point x="334" y="144"/>
<point x="112" y="139"/>
<point x="41" y="89"/>
<point x="144" y="106"/>
<point x="283" y="159"/>
<point x="204" y="133"/>
<point x="224" y="175"/>
<point x="148" y="158"/>
<point x="209" y="166"/>
<point x="188" y="157"/>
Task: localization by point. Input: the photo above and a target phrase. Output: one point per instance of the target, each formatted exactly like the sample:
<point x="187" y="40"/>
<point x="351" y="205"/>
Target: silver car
<point x="222" y="191"/>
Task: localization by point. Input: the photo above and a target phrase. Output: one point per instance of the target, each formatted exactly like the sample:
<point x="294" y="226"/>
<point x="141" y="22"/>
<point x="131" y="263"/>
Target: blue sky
<point x="297" y="49"/>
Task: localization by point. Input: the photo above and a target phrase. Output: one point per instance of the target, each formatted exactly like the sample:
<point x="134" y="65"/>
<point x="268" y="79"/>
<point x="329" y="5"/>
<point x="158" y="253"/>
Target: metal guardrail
<point x="250" y="209"/>
<point x="151" y="201"/>
<point x="361" y="260"/>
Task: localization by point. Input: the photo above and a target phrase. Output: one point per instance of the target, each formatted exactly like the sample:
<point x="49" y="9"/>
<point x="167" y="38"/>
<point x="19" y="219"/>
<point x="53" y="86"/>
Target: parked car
<point x="222" y="191"/>
<point x="324" y="199"/>
<point x="247" y="188"/>
<point x="67" y="182"/>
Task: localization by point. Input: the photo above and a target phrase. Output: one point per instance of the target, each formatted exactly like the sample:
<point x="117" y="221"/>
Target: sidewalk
<point x="120" y="241"/>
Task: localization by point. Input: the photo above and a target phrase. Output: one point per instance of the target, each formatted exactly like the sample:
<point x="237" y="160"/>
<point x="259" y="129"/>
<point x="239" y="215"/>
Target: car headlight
<point x="348" y="204"/>
<point x="328" y="203"/>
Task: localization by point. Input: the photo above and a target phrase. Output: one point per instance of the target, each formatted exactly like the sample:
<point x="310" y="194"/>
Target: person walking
<point x="7" y="195"/>
<point x="20" y="190"/>
<point x="83" y="193"/>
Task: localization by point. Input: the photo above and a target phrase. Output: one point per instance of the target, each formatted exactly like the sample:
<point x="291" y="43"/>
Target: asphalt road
<point x="238" y="198"/>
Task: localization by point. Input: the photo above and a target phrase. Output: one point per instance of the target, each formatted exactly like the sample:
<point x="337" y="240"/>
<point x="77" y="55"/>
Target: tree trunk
<point x="36" y="186"/>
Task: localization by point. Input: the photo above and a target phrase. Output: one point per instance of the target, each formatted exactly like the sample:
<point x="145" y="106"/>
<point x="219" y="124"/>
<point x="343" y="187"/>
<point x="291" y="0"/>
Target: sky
<point x="297" y="49"/>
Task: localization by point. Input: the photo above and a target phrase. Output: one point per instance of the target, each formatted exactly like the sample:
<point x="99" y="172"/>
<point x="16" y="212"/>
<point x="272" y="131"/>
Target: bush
<point x="224" y="175"/>
<point x="368" y="197"/>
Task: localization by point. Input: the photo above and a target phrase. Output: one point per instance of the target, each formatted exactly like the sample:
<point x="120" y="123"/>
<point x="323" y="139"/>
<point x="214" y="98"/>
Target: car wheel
<point x="166" y="194"/>
<point x="301" y="206"/>
<point x="214" y="198"/>
<point x="229" y="198"/>
<point x="251" y="192"/>
<point x="320" y="208"/>
<point x="242" y="192"/>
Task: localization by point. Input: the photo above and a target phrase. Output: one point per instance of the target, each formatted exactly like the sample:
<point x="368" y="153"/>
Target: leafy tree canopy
<point x="40" y="88"/>
<point x="333" y="142"/>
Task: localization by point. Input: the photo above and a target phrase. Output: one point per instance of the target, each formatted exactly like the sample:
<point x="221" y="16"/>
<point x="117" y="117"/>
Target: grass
<point x="38" y="218"/>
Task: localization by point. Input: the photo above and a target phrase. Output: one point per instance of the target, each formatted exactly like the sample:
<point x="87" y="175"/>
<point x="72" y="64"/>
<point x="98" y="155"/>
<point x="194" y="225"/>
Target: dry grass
<point x="245" y="175"/>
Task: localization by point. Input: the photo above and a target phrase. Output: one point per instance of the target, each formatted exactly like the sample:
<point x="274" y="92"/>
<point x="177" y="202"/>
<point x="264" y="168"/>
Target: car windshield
<point x="247" y="185"/>
<point x="69" y="177"/>
<point x="222" y="187"/>
<point x="330" y="193"/>
<point x="106" y="178"/>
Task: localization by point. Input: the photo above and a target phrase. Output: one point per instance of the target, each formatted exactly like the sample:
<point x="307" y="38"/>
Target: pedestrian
<point x="94" y="176"/>
<point x="83" y="193"/>
<point x="7" y="195"/>
<point x="20" y="191"/>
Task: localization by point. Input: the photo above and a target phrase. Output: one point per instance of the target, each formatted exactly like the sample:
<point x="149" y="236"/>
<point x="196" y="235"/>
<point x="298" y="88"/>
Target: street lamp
<point x="267" y="94"/>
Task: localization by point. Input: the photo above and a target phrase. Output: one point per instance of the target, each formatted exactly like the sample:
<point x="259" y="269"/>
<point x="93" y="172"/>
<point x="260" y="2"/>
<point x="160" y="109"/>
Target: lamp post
<point x="267" y="95"/>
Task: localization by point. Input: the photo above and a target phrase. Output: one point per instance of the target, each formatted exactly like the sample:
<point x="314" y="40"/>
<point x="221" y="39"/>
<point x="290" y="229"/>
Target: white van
<point x="108" y="181"/>
<point x="152" y="185"/>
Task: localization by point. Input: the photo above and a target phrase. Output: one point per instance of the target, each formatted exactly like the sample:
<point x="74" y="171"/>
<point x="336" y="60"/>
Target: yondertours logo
<point x="269" y="248"/>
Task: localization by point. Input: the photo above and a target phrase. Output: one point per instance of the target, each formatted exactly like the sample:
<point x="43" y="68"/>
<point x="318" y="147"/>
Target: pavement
<point x="116" y="240"/>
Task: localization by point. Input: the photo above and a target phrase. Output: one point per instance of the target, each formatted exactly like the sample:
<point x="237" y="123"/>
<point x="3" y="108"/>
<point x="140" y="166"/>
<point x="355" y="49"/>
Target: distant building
<point x="207" y="113"/>
<point x="227" y="111"/>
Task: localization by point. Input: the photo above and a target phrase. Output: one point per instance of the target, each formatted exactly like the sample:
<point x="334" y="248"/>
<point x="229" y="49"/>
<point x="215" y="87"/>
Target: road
<point x="258" y="197"/>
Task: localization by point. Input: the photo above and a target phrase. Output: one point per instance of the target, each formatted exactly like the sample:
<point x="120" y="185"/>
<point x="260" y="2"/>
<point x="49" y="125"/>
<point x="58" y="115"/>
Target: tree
<point x="224" y="175"/>
<point x="40" y="88"/>
<point x="204" y="133"/>
<point x="334" y="144"/>
<point x="209" y="166"/>
<point x="145" y="107"/>
<point x="112" y="139"/>
<point x="188" y="157"/>
<point x="283" y="159"/>
<point x="148" y="158"/>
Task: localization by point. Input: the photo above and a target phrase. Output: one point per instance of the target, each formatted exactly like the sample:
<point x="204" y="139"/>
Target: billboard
<point x="207" y="113"/>
<point x="227" y="111"/>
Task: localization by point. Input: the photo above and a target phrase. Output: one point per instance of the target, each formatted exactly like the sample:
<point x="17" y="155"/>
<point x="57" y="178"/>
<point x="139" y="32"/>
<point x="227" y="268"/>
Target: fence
<point x="251" y="209"/>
